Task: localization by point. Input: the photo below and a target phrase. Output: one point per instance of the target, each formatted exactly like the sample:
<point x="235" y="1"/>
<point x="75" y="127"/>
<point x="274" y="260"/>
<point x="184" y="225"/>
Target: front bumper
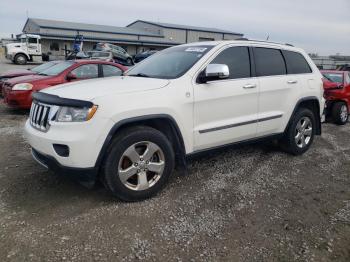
<point x="17" y="99"/>
<point x="84" y="140"/>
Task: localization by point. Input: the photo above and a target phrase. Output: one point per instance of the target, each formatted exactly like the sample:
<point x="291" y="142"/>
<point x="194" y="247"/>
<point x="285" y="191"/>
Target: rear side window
<point x="296" y="63"/>
<point x="237" y="59"/>
<point x="269" y="62"/>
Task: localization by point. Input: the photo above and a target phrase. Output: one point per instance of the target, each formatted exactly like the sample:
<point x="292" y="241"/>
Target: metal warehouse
<point x="57" y="36"/>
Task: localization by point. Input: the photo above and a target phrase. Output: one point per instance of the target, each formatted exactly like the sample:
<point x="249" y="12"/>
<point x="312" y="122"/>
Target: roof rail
<point x="262" y="41"/>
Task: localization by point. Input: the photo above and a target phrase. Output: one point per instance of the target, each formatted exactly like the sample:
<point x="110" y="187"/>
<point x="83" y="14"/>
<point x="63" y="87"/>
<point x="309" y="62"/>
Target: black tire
<point x="20" y="59"/>
<point x="337" y="113"/>
<point x="119" y="145"/>
<point x="288" y="142"/>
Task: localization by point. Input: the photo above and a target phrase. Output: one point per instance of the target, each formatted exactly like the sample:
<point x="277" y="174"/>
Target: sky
<point x="318" y="26"/>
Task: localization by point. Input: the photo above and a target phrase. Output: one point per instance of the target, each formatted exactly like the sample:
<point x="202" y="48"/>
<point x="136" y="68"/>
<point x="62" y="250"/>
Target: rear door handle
<point x="292" y="82"/>
<point x="249" y="86"/>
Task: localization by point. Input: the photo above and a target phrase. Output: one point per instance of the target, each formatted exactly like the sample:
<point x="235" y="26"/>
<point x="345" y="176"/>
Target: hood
<point x="16" y="72"/>
<point x="12" y="45"/>
<point x="90" y="89"/>
<point x="27" y="79"/>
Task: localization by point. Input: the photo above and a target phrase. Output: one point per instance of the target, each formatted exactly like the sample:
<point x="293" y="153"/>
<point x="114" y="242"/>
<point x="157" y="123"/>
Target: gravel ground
<point x="251" y="203"/>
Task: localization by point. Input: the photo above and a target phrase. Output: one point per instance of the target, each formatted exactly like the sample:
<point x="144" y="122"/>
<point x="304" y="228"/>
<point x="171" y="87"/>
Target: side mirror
<point x="71" y="76"/>
<point x="214" y="72"/>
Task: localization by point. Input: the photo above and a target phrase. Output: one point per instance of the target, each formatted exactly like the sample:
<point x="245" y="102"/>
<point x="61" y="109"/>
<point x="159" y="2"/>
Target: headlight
<point x="75" y="114"/>
<point x="22" y="87"/>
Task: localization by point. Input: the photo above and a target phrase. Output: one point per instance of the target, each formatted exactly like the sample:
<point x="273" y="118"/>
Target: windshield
<point x="43" y="67"/>
<point x="170" y="63"/>
<point x="57" y="69"/>
<point x="334" y="77"/>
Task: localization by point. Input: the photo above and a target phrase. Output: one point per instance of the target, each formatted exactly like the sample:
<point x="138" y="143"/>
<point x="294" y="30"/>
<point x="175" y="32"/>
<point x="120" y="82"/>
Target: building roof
<point x="187" y="27"/>
<point x="54" y="24"/>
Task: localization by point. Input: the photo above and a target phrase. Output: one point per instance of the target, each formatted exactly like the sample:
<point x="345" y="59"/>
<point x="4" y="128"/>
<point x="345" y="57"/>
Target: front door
<point x="225" y="111"/>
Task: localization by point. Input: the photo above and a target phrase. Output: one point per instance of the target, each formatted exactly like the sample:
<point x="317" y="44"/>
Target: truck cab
<point x="24" y="50"/>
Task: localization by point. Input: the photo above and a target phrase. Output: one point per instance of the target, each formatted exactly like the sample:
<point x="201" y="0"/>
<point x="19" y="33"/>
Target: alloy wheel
<point x="344" y="113"/>
<point x="141" y="165"/>
<point x="303" y="132"/>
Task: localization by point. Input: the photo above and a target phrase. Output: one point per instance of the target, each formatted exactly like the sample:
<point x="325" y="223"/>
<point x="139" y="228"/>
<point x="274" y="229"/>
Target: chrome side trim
<point x="239" y="124"/>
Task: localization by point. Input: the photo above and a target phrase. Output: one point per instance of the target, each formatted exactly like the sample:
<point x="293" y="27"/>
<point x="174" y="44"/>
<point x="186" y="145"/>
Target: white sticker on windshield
<point x="196" y="49"/>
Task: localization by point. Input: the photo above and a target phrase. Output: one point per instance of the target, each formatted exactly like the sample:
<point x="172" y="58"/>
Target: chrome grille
<point x="40" y="116"/>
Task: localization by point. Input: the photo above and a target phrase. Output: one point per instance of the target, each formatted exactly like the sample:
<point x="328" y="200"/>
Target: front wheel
<point x="300" y="133"/>
<point x="139" y="163"/>
<point x="340" y="113"/>
<point x="20" y="59"/>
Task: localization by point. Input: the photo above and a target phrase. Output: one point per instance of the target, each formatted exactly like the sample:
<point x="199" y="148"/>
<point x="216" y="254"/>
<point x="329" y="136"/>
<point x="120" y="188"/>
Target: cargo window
<point x="237" y="59"/>
<point x="269" y="62"/>
<point x="296" y="63"/>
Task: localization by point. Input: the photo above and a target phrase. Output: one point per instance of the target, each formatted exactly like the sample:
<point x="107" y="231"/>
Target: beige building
<point x="58" y="36"/>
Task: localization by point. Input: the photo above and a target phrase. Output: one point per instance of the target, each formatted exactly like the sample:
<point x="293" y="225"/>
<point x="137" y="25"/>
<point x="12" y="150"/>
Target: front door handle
<point x="292" y="82"/>
<point x="249" y="86"/>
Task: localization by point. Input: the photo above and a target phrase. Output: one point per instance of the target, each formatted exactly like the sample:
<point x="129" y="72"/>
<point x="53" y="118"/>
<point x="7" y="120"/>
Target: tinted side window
<point x="109" y="70"/>
<point x="296" y="63"/>
<point x="269" y="62"/>
<point x="86" y="71"/>
<point x="237" y="59"/>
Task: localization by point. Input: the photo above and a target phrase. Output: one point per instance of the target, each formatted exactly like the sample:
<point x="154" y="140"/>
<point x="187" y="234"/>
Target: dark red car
<point x="336" y="86"/>
<point x="18" y="91"/>
<point x="24" y="72"/>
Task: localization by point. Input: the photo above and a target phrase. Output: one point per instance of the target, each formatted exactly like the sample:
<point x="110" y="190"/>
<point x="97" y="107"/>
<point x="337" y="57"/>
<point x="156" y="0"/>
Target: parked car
<point x="118" y="52"/>
<point x="18" y="91"/>
<point x="337" y="93"/>
<point x="24" y="72"/>
<point x="100" y="55"/>
<point x="141" y="56"/>
<point x="185" y="100"/>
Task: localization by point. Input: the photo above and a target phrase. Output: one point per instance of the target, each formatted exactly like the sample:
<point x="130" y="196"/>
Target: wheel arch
<point x="22" y="53"/>
<point x="313" y="104"/>
<point x="162" y="122"/>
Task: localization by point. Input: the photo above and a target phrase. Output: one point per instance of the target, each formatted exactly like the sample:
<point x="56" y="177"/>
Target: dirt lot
<point x="252" y="203"/>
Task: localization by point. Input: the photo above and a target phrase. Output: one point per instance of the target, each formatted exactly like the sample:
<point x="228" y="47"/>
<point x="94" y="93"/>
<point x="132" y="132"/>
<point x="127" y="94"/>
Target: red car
<point x="336" y="86"/>
<point x="24" y="72"/>
<point x="17" y="91"/>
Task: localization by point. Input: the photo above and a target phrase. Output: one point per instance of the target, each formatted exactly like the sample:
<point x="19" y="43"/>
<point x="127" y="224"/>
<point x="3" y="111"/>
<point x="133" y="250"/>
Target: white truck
<point x="25" y="50"/>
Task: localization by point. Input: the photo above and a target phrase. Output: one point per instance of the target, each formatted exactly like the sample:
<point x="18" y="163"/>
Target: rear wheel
<point x="300" y="133"/>
<point x="340" y="113"/>
<point x="139" y="163"/>
<point x="20" y="59"/>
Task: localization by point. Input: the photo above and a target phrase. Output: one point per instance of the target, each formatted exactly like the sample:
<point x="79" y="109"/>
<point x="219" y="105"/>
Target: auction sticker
<point x="196" y="49"/>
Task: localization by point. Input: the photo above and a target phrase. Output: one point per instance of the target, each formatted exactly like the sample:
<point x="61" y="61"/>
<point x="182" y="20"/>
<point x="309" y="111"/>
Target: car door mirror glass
<point x="71" y="76"/>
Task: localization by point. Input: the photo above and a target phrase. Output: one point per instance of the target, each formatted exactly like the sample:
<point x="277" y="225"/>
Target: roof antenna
<point x="268" y="37"/>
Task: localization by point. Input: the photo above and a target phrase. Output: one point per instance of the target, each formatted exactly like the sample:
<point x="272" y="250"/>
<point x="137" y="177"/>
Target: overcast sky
<point x="318" y="26"/>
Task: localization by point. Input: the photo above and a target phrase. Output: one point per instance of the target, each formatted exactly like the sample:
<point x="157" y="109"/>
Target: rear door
<point x="225" y="111"/>
<point x="278" y="91"/>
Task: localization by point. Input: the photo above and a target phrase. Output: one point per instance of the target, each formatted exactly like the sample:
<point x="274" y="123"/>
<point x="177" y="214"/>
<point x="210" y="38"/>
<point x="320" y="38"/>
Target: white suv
<point x="130" y="131"/>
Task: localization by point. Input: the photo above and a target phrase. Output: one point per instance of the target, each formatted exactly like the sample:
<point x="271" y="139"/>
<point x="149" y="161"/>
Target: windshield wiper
<point x="140" y="75"/>
<point x="42" y="74"/>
